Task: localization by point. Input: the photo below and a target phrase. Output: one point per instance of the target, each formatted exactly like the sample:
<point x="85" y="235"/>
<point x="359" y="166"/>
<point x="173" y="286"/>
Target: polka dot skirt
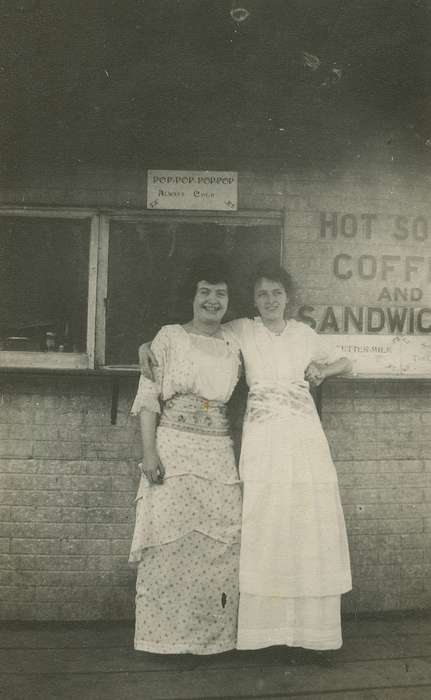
<point x="187" y="597"/>
<point x="186" y="545"/>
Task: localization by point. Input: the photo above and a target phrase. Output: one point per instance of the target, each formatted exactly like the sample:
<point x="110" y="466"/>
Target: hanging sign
<point x="192" y="189"/>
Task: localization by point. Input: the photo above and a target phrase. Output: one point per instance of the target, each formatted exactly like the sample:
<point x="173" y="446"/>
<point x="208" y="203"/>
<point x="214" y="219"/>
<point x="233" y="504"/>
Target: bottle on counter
<point x="66" y="341"/>
<point x="50" y="341"/>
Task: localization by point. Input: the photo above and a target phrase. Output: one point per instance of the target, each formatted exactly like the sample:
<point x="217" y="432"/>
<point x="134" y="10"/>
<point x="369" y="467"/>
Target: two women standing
<point x="294" y="562"/>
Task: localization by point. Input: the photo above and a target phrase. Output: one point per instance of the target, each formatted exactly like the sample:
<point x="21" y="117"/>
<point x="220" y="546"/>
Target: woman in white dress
<point x="188" y="511"/>
<point x="294" y="562"/>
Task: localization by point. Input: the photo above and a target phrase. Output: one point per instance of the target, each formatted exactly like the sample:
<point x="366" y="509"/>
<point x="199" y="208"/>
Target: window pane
<point x="148" y="262"/>
<point x="43" y="284"/>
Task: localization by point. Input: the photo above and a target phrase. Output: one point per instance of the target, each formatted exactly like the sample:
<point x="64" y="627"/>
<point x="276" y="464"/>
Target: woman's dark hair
<point x="209" y="267"/>
<point x="272" y="270"/>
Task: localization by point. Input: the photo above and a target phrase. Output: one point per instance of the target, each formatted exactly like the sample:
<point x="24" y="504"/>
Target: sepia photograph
<point x="215" y="350"/>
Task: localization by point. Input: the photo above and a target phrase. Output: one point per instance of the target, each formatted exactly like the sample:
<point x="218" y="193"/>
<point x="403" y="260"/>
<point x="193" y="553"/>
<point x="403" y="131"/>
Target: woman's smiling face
<point x="270" y="299"/>
<point x="210" y="302"/>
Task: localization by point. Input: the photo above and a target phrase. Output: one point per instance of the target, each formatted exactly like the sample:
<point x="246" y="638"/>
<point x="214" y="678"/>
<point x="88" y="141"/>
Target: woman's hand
<point x="147" y="360"/>
<point x="152" y="468"/>
<point x="315" y="373"/>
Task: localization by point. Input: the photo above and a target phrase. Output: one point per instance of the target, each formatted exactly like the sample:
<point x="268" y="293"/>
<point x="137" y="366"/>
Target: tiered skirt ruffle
<point x="201" y="492"/>
<point x="186" y="545"/>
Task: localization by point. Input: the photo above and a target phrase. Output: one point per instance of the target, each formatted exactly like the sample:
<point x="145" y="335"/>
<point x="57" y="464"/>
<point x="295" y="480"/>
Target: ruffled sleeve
<point x="148" y="393"/>
<point x="147" y="396"/>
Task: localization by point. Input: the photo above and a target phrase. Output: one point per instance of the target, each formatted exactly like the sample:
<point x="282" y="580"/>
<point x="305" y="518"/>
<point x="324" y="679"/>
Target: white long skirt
<point x="294" y="562"/>
<point x="312" y="623"/>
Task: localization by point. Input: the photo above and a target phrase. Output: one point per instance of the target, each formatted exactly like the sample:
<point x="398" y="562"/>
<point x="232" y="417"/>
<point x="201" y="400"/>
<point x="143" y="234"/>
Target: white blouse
<point x="189" y="363"/>
<point x="278" y="359"/>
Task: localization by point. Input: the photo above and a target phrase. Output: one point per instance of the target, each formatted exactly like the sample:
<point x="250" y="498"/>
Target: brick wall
<point x="379" y="432"/>
<point x="68" y="480"/>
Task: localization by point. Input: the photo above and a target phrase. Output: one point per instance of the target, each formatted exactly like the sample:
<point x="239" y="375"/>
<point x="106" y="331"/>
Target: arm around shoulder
<point x="152" y="352"/>
<point x="237" y="327"/>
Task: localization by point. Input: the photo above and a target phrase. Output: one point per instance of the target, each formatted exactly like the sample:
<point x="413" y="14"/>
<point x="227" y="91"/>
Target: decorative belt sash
<point x="194" y="414"/>
<point x="273" y="402"/>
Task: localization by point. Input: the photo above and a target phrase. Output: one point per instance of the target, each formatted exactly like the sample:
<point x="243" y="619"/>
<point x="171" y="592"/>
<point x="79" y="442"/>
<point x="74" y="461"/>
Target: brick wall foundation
<point x="380" y="440"/>
<point x="68" y="480"/>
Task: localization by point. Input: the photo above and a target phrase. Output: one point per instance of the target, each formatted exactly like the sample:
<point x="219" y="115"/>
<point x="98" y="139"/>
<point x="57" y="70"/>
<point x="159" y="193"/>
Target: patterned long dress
<point x="187" y="531"/>
<point x="294" y="562"/>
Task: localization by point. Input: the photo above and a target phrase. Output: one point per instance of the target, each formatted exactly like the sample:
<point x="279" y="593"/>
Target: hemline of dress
<point x="259" y="638"/>
<point x="279" y="640"/>
<point x="150" y="647"/>
<point x="144" y="484"/>
<point x="133" y="560"/>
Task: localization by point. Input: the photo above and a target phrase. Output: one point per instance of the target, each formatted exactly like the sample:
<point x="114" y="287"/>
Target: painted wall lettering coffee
<point x="384" y="267"/>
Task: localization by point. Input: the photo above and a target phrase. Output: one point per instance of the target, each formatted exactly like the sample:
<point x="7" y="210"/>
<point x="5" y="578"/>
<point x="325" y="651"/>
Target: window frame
<point x="94" y="357"/>
<point x="61" y="360"/>
<point x="238" y="218"/>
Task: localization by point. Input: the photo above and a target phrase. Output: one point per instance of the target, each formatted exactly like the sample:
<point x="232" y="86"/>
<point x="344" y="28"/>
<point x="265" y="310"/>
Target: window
<point x="81" y="290"/>
<point x="147" y="264"/>
<point x="44" y="283"/>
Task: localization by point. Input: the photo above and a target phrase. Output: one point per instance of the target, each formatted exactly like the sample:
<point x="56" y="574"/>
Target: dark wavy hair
<point x="209" y="267"/>
<point x="272" y="270"/>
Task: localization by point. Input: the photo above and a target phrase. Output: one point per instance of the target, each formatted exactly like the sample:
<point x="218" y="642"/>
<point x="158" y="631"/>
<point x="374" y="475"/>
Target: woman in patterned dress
<point x="188" y="511"/>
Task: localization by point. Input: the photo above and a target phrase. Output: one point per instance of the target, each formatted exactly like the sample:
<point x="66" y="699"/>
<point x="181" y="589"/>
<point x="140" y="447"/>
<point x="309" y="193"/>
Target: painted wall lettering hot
<point x="335" y="224"/>
<point x="346" y="225"/>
